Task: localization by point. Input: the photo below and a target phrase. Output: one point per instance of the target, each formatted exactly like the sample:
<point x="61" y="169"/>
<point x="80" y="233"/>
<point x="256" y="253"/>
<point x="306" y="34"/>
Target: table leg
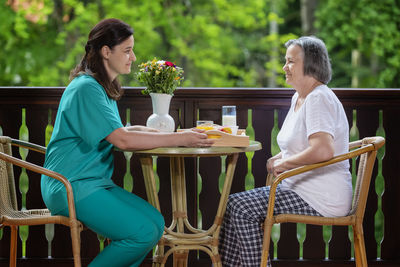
<point x="230" y="170"/>
<point x="149" y="181"/>
<point x="152" y="195"/>
<point x="179" y="206"/>
<point x="179" y="209"/>
<point x="178" y="192"/>
<point x="180" y="258"/>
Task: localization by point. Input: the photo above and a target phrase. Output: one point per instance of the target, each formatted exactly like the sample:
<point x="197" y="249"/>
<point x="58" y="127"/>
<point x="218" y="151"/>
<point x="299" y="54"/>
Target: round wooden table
<point x="174" y="236"/>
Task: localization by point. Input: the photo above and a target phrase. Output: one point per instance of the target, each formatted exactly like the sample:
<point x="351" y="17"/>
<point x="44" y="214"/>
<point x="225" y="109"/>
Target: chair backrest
<point x="8" y="197"/>
<point x="364" y="175"/>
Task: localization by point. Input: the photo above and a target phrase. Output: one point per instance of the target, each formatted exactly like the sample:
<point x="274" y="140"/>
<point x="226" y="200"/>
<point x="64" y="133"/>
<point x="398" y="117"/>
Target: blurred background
<point x="219" y="43"/>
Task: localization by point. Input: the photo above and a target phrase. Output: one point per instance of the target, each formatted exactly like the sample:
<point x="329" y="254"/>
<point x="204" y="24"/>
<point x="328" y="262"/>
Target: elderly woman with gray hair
<point x="315" y="129"/>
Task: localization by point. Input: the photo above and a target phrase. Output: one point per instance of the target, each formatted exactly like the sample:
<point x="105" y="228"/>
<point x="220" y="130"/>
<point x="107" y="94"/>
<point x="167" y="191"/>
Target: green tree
<point x="218" y="42"/>
<point x="23" y="50"/>
<point x="363" y="38"/>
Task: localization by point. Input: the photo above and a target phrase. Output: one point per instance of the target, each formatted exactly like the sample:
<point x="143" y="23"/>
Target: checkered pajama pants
<point x="240" y="240"/>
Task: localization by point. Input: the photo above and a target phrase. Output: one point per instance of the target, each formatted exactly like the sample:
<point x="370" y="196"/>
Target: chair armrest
<point x="355" y="144"/>
<point x="52" y="174"/>
<point x="306" y="168"/>
<point x="365" y="145"/>
<point x="372" y="143"/>
<point x="28" y="145"/>
<point x="270" y="178"/>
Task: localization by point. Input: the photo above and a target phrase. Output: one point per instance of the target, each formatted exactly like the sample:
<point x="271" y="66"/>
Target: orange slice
<point x="205" y="128"/>
<point x="226" y="130"/>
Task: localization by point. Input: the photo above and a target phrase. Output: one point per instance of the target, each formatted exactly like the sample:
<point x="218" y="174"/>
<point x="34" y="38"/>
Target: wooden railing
<point x="370" y="112"/>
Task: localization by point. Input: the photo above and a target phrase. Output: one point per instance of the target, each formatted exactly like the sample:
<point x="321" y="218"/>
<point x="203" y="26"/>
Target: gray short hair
<point x="316" y="58"/>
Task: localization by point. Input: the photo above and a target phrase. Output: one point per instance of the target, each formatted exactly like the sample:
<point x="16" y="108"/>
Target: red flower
<point x="170" y="64"/>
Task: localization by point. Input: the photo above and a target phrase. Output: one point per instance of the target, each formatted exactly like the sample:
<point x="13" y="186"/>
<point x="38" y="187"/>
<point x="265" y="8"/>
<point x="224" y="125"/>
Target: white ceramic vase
<point x="160" y="119"/>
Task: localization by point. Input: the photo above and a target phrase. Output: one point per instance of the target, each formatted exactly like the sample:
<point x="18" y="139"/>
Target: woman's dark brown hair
<point x="109" y="32"/>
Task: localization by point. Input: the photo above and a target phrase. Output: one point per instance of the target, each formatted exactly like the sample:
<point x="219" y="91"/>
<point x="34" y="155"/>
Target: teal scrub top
<point x="78" y="149"/>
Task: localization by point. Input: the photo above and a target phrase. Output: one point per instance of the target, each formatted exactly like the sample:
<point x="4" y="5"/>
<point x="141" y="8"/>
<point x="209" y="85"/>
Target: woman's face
<point x="294" y="66"/>
<point x="118" y="60"/>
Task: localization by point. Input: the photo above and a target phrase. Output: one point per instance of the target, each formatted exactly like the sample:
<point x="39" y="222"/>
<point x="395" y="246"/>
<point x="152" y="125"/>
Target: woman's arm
<point x="138" y="140"/>
<point x="141" y="128"/>
<point x="320" y="148"/>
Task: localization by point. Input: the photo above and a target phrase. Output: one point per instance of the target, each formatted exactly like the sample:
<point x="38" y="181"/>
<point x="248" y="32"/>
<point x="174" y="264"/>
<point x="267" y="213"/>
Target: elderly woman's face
<point x="294" y="65"/>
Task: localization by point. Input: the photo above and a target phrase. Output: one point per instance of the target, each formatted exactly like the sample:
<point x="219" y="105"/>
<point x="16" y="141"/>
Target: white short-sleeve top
<point x="328" y="189"/>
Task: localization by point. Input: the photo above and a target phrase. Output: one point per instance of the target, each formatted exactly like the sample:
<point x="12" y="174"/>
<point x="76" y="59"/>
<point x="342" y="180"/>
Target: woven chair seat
<point x="26" y="213"/>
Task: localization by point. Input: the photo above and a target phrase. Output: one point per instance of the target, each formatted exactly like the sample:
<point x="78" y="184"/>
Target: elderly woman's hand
<point x="278" y="167"/>
<point x="271" y="162"/>
<point x="270" y="165"/>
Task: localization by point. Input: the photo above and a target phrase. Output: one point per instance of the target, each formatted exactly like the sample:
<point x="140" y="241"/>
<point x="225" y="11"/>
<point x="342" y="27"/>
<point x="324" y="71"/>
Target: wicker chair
<point x="366" y="149"/>
<point x="9" y="213"/>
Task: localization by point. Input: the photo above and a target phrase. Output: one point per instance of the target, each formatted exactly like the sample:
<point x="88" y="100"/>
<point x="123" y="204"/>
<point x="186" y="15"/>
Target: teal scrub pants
<point x="133" y="225"/>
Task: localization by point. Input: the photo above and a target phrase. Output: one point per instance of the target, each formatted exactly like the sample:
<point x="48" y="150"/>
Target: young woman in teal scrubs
<point x="86" y="129"/>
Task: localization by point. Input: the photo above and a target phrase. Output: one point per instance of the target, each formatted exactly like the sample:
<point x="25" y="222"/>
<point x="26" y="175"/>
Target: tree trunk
<point x="273" y="31"/>
<point x="356" y="63"/>
<point x="308" y="8"/>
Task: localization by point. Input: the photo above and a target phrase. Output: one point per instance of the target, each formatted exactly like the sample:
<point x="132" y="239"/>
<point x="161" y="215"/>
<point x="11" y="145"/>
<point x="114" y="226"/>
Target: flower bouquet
<point x="159" y="76"/>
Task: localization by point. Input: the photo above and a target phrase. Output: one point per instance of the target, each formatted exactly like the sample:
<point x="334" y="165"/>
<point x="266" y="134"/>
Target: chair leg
<point x="13" y="246"/>
<point x="359" y="246"/>
<point x="76" y="243"/>
<point x="266" y="242"/>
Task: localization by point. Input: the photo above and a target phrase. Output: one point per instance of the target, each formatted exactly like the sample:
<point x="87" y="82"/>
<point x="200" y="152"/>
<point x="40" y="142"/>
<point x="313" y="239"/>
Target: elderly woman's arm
<point x="320" y="148"/>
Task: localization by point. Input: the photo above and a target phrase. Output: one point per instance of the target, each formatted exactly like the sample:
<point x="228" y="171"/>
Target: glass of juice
<point x="205" y="125"/>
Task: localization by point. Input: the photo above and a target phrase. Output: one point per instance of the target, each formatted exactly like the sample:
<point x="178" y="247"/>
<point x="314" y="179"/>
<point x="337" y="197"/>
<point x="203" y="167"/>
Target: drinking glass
<point x="229" y="115"/>
<point x="205" y="125"/>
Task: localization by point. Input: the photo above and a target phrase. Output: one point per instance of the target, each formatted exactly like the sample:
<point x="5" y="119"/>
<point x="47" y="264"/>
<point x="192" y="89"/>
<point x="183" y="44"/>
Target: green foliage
<point x="218" y="42"/>
<point x="372" y="28"/>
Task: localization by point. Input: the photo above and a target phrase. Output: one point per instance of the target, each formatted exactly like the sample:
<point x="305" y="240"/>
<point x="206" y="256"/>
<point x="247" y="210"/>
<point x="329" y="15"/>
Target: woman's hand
<point x="278" y="167"/>
<point x="195" y="139"/>
<point x="321" y="148"/>
<point x="271" y="162"/>
<point x="197" y="130"/>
